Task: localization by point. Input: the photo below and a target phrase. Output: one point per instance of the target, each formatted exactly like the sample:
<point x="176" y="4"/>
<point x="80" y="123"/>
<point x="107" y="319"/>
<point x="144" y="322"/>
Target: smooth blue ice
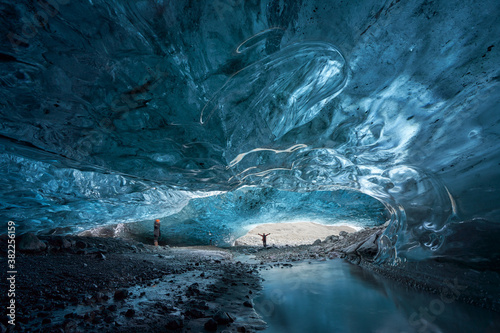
<point x="124" y="111"/>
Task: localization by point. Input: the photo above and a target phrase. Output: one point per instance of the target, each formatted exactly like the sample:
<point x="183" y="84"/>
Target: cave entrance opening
<point x="237" y="217"/>
<point x="292" y="233"/>
<point x="299" y="218"/>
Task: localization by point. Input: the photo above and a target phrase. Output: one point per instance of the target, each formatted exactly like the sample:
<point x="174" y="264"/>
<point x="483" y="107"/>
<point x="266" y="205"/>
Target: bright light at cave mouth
<point x="292" y="232"/>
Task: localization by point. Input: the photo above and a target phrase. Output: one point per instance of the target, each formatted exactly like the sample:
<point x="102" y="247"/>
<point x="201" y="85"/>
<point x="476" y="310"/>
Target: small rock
<point x="70" y="315"/>
<point x="121" y="294"/>
<point x="174" y="324"/>
<point x="202" y="305"/>
<point x="354" y="259"/>
<point x="343" y="233"/>
<point x="193" y="290"/>
<point x="69" y="325"/>
<point x="99" y="297"/>
<point x="332" y="255"/>
<point x="370" y="246"/>
<point x="39" y="306"/>
<point x="248" y="304"/>
<point x="60" y="305"/>
<point x="222" y="318"/>
<point x="317" y="242"/>
<point x="331" y="239"/>
<point x="28" y="242"/>
<point x="80" y="244"/>
<point x="195" y="314"/>
<point x="65" y="244"/>
<point x="130" y="313"/>
<point x="211" y="325"/>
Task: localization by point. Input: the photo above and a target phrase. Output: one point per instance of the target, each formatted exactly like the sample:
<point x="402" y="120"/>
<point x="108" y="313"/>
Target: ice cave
<point x="216" y="117"/>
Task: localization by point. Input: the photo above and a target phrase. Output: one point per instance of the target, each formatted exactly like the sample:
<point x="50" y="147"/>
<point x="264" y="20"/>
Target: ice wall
<point x="396" y="99"/>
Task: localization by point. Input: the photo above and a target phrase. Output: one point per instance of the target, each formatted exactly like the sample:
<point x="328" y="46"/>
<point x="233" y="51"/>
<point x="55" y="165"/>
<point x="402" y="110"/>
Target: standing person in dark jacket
<point x="264" y="238"/>
<point x="157" y="232"/>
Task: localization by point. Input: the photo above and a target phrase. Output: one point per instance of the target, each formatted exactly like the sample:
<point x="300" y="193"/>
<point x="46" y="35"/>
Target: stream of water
<point x="335" y="296"/>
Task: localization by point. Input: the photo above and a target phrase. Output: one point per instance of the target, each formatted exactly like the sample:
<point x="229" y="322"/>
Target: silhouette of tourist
<point x="264" y="238"/>
<point x="157" y="232"/>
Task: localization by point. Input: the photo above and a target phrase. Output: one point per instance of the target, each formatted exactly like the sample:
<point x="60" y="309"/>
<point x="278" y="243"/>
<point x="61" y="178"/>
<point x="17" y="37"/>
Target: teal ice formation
<point x="213" y="115"/>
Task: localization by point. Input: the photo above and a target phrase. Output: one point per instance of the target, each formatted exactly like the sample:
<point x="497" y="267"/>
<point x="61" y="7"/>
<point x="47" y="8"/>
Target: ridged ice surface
<point x="117" y="111"/>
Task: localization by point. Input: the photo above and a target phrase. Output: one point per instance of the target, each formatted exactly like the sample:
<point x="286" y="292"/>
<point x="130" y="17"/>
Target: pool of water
<point x="335" y="296"/>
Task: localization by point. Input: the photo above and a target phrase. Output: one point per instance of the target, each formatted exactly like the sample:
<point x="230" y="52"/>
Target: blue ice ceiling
<point x="127" y="110"/>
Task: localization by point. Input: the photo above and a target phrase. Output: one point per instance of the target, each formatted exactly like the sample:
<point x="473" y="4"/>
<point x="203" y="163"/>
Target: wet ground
<point x="95" y="284"/>
<point x="112" y="285"/>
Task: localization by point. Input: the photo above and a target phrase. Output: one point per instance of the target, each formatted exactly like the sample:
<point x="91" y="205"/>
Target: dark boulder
<point x="211" y="325"/>
<point x="369" y="248"/>
<point x="222" y="318"/>
<point x="130" y="313"/>
<point x="80" y="244"/>
<point x="28" y="242"/>
<point x="174" y="324"/>
<point x="65" y="243"/>
<point x="121" y="294"/>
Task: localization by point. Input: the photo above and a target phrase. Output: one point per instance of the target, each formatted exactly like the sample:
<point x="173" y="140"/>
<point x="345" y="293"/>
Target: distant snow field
<point x="295" y="233"/>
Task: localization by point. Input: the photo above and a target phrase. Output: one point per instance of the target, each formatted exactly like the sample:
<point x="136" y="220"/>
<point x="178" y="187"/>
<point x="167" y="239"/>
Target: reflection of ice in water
<point x="338" y="297"/>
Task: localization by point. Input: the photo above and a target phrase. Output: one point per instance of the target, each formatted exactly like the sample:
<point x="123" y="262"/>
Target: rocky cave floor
<point x="90" y="284"/>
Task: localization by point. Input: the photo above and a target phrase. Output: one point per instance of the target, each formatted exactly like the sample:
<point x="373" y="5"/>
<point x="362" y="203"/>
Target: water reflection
<point x="336" y="296"/>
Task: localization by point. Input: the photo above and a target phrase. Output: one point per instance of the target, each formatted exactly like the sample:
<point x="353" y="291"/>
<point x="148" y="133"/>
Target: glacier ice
<point x="122" y="111"/>
<point x="222" y="218"/>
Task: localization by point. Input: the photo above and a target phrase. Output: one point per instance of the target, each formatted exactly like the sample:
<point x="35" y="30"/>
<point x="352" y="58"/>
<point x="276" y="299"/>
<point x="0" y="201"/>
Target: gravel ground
<point x="113" y="285"/>
<point x="92" y="284"/>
